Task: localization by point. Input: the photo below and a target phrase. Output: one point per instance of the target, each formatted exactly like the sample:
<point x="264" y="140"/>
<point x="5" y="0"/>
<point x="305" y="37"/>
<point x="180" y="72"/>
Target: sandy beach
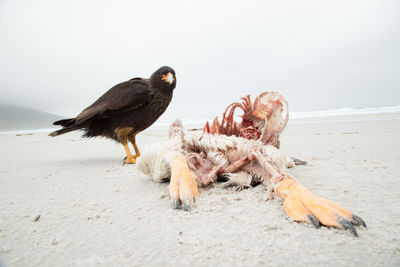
<point x="68" y="201"/>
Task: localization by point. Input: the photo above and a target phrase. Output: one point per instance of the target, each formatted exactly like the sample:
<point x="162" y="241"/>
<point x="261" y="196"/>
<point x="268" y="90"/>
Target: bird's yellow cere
<point x="169" y="78"/>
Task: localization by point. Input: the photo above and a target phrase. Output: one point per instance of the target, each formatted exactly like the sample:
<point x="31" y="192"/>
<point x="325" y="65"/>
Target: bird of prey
<point x="125" y="110"/>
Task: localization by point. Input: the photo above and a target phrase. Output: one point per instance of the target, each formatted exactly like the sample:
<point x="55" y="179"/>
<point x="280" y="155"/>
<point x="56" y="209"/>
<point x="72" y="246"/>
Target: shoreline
<point x="200" y="123"/>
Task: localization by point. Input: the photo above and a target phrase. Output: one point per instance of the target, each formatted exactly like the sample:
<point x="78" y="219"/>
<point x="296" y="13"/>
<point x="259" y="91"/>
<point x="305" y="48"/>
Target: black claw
<point x="314" y="221"/>
<point x="123" y="162"/>
<point x="176" y="203"/>
<point x="187" y="206"/>
<point x="194" y="199"/>
<point x="356" y="220"/>
<point x="348" y="225"/>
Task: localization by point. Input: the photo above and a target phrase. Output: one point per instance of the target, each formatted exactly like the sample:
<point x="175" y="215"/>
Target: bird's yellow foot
<point x="183" y="187"/>
<point x="129" y="160"/>
<point x="304" y="206"/>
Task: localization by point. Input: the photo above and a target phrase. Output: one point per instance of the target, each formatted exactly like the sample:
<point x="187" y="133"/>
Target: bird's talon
<point x="129" y="160"/>
<point x="348" y="225"/>
<point x="356" y="220"/>
<point x="314" y="221"/>
<point x="176" y="203"/>
<point x="187" y="206"/>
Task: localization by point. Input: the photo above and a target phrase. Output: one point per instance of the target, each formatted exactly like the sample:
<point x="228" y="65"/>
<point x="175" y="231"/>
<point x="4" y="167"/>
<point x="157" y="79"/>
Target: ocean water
<point x="342" y="114"/>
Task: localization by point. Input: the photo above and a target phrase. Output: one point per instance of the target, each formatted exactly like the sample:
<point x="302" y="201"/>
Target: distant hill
<point x="14" y="118"/>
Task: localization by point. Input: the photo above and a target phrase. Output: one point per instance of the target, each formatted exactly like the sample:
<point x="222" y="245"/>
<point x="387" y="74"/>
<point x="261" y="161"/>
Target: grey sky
<point x="59" y="56"/>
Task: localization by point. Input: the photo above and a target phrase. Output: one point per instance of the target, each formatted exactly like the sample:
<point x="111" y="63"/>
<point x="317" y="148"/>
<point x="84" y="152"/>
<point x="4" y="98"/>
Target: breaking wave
<point x="344" y="112"/>
<point x="294" y="115"/>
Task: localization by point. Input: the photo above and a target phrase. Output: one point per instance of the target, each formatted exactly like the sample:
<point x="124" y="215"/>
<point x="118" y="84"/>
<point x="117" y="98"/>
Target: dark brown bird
<point x="125" y="110"/>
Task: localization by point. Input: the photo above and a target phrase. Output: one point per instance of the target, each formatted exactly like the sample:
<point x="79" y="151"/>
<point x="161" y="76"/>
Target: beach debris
<point x="241" y="155"/>
<point x="36" y="218"/>
<point x="24" y="134"/>
<point x="94" y="218"/>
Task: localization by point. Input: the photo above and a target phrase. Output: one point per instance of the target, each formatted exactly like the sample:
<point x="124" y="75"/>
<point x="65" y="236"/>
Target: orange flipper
<point x="304" y="206"/>
<point x="183" y="187"/>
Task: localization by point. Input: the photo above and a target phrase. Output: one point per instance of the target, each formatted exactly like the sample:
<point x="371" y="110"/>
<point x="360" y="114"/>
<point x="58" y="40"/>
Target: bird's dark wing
<point x="132" y="94"/>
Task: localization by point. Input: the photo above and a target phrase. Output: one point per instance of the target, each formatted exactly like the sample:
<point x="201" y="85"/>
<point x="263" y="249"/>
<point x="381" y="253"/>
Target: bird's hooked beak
<point x="169" y="78"/>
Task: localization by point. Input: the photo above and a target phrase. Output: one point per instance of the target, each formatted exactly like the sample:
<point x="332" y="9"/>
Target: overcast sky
<point x="60" y="56"/>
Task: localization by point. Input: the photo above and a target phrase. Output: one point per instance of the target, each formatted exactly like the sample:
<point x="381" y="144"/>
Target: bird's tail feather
<point x="64" y="130"/>
<point x="64" y="122"/>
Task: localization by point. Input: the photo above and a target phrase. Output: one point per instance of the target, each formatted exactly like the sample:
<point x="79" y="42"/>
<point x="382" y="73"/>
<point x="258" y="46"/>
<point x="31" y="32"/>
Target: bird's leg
<point x="123" y="135"/>
<point x="129" y="159"/>
<point x="237" y="164"/>
<point x="132" y="139"/>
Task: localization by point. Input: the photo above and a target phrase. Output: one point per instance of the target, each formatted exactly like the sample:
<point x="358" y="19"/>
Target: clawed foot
<point x="304" y="206"/>
<point x="129" y="160"/>
<point x="183" y="189"/>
